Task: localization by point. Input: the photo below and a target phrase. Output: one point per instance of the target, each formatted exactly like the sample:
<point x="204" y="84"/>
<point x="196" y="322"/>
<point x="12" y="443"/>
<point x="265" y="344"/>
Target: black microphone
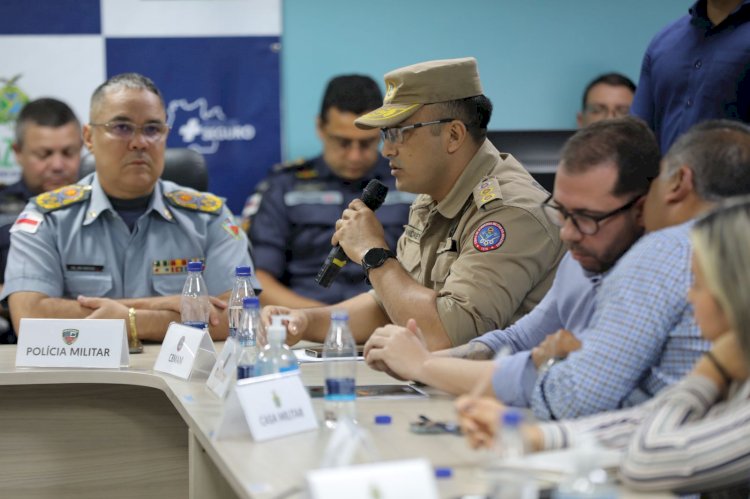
<point x="373" y="196"/>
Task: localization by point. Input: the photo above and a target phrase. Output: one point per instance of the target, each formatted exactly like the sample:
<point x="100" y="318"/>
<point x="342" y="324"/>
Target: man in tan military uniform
<point x="477" y="253"/>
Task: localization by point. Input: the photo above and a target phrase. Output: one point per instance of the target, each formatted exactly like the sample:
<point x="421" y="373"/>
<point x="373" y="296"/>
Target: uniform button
<point x="698" y="64"/>
<point x="690" y="102"/>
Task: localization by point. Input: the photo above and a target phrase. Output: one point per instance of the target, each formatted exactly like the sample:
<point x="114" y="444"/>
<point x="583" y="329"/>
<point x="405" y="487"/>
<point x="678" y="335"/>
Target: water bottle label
<point x="245" y="371"/>
<point x="196" y="324"/>
<point x="340" y="389"/>
<point x="289" y="368"/>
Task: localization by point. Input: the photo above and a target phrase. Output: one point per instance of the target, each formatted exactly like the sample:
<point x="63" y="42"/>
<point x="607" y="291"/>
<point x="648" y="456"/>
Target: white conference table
<point x="75" y="433"/>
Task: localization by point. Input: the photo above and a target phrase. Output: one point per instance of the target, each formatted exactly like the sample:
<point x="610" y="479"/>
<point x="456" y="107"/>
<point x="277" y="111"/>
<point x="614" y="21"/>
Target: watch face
<point x="375" y="258"/>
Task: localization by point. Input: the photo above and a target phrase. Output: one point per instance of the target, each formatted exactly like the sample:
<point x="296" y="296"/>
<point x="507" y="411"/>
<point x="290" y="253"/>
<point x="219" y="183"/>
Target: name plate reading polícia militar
<point x="267" y="407"/>
<point x="77" y="343"/>
<point x="186" y="353"/>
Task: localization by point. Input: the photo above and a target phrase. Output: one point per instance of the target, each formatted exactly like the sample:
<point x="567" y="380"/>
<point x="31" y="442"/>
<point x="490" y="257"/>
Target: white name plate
<point x="186" y="352"/>
<point x="225" y="369"/>
<point x="89" y="343"/>
<point x="267" y="407"/>
<point x="388" y="480"/>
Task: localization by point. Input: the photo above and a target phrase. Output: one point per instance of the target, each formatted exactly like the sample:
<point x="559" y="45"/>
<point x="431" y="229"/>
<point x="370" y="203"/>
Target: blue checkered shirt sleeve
<point x="641" y="311"/>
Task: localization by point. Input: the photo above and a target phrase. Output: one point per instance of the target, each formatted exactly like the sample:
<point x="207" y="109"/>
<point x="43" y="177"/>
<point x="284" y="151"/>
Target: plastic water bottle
<point x="241" y="289"/>
<point x="340" y="355"/>
<point x="194" y="305"/>
<point x="246" y="337"/>
<point x="508" y="479"/>
<point x="276" y="357"/>
<point x="589" y="481"/>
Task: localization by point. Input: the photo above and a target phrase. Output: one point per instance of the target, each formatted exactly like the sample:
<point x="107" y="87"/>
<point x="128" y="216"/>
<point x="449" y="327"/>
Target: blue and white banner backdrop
<point x="217" y="64"/>
<point x="215" y="61"/>
<point x="51" y="48"/>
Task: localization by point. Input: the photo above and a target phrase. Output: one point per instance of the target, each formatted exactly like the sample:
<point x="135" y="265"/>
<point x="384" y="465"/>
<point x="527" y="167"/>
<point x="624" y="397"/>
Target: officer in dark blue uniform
<point x="47" y="147"/>
<point x="293" y="213"/>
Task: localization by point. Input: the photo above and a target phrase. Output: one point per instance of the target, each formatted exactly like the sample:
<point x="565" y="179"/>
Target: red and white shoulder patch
<point x="28" y="221"/>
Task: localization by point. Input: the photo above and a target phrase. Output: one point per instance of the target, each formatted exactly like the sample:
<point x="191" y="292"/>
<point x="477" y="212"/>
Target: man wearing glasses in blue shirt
<point x="477" y="253"/>
<point x="116" y="244"/>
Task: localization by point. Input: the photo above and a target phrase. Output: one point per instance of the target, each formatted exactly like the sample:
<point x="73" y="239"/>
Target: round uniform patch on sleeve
<point x="489" y="236"/>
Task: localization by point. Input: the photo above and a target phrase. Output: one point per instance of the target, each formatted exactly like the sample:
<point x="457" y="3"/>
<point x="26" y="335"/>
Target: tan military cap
<point x="409" y="88"/>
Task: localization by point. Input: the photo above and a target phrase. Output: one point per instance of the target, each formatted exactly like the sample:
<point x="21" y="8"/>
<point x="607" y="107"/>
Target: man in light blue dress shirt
<point x="117" y="244"/>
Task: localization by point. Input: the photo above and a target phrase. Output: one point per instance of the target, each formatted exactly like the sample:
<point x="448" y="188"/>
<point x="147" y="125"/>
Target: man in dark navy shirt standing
<point x="48" y="149"/>
<point x="696" y="69"/>
<point x="293" y="213"/>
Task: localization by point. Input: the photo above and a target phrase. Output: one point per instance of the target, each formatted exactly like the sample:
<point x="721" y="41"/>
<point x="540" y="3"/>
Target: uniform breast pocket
<point x="87" y="284"/>
<point x="170" y="284"/>
<point x="409" y="257"/>
<point x="443" y="263"/>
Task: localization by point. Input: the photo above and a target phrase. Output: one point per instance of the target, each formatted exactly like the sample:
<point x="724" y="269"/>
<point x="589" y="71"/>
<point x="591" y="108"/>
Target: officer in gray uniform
<point x="117" y="244"/>
<point x="293" y="213"/>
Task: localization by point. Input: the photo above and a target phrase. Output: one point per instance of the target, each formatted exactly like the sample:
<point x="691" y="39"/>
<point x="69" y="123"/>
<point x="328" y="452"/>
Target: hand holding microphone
<point x="372" y="196"/>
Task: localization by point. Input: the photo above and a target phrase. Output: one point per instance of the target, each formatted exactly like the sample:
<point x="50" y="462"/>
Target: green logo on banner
<point x="12" y="99"/>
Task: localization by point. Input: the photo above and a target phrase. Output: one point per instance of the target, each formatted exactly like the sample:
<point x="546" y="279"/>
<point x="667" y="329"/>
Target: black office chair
<point x="537" y="150"/>
<point x="181" y="165"/>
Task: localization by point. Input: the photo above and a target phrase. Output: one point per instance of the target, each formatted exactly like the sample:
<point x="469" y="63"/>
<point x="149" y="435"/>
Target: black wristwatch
<point x="374" y="258"/>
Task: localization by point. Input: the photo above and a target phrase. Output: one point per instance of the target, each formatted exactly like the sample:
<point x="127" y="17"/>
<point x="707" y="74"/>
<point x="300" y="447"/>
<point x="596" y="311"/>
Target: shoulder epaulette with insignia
<point x="288" y="165"/>
<point x="302" y="168"/>
<point x="62" y="197"/>
<point x="196" y="201"/>
<point x="487" y="191"/>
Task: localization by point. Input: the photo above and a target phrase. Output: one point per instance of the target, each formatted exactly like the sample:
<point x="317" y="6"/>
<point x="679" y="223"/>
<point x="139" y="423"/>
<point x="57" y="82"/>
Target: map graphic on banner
<point x="217" y="68"/>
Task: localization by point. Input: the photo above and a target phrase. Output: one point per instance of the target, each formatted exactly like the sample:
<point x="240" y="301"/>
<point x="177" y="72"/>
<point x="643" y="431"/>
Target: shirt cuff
<point x="514" y="378"/>
<point x="554" y="436"/>
<point x="490" y="340"/>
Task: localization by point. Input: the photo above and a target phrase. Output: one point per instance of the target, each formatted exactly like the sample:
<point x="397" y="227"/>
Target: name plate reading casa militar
<point x="81" y="343"/>
<point x="186" y="352"/>
<point x="267" y="407"/>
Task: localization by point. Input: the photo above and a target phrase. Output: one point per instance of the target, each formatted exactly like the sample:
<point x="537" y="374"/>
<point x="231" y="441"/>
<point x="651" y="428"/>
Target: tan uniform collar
<point x="480" y="166"/>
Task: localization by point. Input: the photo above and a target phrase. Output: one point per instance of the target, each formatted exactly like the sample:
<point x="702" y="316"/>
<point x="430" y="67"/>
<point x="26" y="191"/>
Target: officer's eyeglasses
<point x="346" y="143"/>
<point x="585" y="224"/>
<point x="126" y="130"/>
<point x="395" y="135"/>
<point x="602" y="111"/>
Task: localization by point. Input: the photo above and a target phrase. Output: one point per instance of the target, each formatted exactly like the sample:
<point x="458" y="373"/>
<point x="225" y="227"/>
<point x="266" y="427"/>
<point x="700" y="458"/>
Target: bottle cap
<point x="339" y="315"/>
<point x="276" y="332"/>
<point x="512" y="418"/>
<point x="383" y="419"/>
<point x="242" y="271"/>
<point x="443" y="472"/>
<point x="250" y="302"/>
<point x="195" y="266"/>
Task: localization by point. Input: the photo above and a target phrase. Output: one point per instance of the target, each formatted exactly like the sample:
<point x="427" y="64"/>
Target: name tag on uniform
<point x="81" y="343"/>
<point x="186" y="352"/>
<point x="412" y="233"/>
<point x="267" y="407"/>
<point x="294" y="198"/>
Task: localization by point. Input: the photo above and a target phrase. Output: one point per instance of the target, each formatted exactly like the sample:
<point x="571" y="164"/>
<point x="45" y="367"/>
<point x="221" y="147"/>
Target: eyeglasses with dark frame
<point x="395" y="135"/>
<point x="585" y="224"/>
<point x="125" y="130"/>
